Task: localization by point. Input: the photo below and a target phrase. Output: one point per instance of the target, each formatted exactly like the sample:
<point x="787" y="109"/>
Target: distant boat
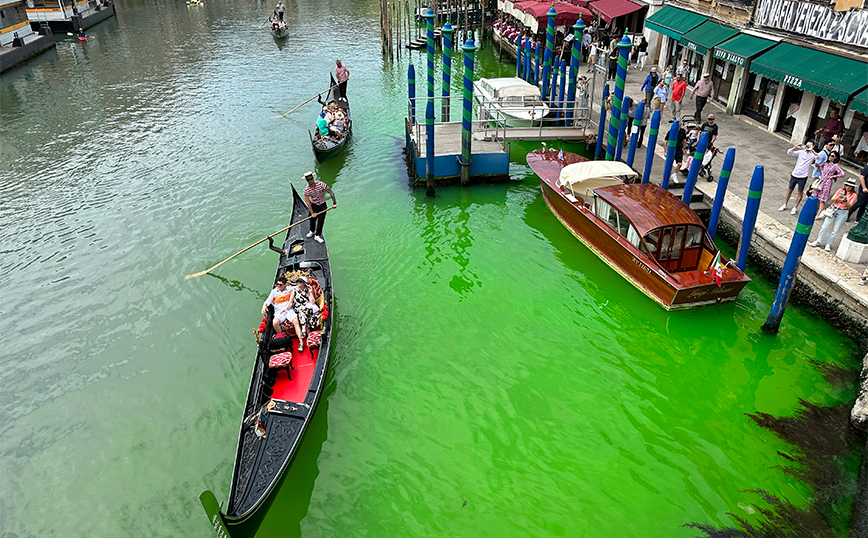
<point x="641" y="230"/>
<point x="325" y="148"/>
<point x="282" y="396"/>
<point x="509" y="101"/>
<point x="195" y="2"/>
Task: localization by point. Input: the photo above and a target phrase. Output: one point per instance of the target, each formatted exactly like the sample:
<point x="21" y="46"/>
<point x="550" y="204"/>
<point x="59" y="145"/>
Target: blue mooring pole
<point x="652" y="142"/>
<point x="536" y="64"/>
<point x="671" y="146"/>
<point x="563" y="75"/>
<point x="634" y="137"/>
<point x="445" y="111"/>
<point x="467" y="111"/>
<point x="601" y="128"/>
<point x="429" y="109"/>
<point x="693" y="173"/>
<point x="553" y="97"/>
<point x="527" y="55"/>
<point x="575" y="61"/>
<point x="622" y="130"/>
<point x="722" y="183"/>
<point x="620" y="80"/>
<point x="411" y="93"/>
<point x="549" y="51"/>
<point x="791" y="264"/>
<point x="754" y="195"/>
<point x="518" y="56"/>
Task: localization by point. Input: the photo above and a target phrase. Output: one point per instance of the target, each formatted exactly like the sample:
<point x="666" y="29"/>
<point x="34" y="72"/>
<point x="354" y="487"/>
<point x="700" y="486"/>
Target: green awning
<point x="707" y="35"/>
<point x="742" y="48"/>
<point x="820" y="73"/>
<point x="674" y="22"/>
<point x="860" y="102"/>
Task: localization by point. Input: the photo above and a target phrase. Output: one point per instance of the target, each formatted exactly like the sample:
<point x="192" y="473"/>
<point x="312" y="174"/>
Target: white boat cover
<point x="511" y="86"/>
<point x="591" y="175"/>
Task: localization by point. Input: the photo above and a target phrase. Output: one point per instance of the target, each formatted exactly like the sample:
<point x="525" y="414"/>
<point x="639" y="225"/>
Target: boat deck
<point x="447" y="140"/>
<point x="295" y="389"/>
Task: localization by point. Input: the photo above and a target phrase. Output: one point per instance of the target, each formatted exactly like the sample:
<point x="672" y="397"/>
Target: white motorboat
<point x="509" y="101"/>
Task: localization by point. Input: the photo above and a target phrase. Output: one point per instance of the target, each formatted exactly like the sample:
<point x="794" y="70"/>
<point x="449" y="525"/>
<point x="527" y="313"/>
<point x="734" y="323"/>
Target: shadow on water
<point x="238" y="286"/>
<point x="446" y="229"/>
<point x="825" y="456"/>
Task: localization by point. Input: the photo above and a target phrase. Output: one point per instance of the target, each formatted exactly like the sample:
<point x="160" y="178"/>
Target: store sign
<point x="815" y="20"/>
<point x="729" y="57"/>
<point x="790" y="80"/>
<point x="691" y="45"/>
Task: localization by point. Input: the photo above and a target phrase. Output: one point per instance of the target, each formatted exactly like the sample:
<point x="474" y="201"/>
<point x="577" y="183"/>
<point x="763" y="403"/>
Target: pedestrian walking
<point x="805" y="155"/>
<point x="643" y="54"/>
<point x="583" y="98"/>
<point x="709" y="127"/>
<point x="613" y="63"/>
<point x="343" y="75"/>
<point x="833" y="126"/>
<point x="661" y="92"/>
<point x="702" y="91"/>
<point x="586" y="45"/>
<point x="667" y="77"/>
<point x="679" y="86"/>
<point x="314" y="198"/>
<point x="841" y="204"/>
<point x="683" y="70"/>
<point x="648" y="86"/>
<point x="821" y="188"/>
<point x="592" y="56"/>
<point x="861" y="195"/>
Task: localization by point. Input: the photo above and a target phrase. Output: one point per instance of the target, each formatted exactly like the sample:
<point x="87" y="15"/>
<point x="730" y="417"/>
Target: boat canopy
<point x="590" y="175"/>
<point x="511" y="87"/>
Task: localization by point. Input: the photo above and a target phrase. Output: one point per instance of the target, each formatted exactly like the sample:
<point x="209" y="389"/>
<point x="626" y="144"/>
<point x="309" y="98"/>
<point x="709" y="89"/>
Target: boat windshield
<point x="518" y="100"/>
<point x="677" y="248"/>
<point x="619" y="223"/>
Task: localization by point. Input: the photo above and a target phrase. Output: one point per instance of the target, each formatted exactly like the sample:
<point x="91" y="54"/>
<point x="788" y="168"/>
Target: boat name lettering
<point x="644" y="267"/>
<point x="723" y="290"/>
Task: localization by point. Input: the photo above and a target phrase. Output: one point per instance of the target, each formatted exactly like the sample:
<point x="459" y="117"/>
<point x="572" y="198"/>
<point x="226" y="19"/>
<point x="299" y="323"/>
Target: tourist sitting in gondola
<point x="339" y="124"/>
<point x="322" y="126"/>
<point x="306" y="310"/>
<point x="281" y="299"/>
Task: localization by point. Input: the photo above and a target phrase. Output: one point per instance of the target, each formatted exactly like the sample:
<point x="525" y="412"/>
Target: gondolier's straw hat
<point x="307" y="175"/>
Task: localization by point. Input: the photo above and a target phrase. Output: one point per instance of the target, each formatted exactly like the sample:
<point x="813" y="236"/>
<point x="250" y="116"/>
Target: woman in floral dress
<point x="829" y="171"/>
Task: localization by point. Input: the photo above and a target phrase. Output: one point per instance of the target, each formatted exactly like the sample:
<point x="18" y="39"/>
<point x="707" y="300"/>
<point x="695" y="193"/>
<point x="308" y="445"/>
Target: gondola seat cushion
<point x="314" y="339"/>
<point x="280" y="360"/>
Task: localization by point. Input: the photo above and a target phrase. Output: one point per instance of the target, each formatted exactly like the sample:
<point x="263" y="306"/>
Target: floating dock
<point x="489" y="162"/>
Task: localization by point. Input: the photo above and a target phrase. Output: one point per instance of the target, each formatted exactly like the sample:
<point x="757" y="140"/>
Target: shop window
<point x="855" y="140"/>
<point x="721" y="78"/>
<point x="789" y="110"/>
<point x="759" y="97"/>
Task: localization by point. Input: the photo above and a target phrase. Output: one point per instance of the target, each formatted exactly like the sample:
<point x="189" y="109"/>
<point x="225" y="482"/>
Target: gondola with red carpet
<point x="283" y="395"/>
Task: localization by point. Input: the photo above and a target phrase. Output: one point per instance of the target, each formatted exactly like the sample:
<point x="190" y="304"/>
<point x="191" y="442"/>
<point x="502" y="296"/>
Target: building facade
<point x="785" y="64"/>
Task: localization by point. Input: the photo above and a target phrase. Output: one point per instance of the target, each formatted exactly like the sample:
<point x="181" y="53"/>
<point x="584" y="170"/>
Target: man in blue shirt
<point x="648" y="86"/>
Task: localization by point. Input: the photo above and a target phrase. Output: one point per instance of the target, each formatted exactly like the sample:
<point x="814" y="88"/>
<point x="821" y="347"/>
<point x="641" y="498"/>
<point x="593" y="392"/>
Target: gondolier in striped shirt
<point x="314" y="198"/>
<point x="343" y="75"/>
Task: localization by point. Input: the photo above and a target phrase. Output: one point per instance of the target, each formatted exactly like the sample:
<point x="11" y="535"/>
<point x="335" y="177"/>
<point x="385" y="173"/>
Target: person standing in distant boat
<point x="343" y="75"/>
<point x="280" y="9"/>
<point x="81" y="33"/>
<point x="314" y="198"/>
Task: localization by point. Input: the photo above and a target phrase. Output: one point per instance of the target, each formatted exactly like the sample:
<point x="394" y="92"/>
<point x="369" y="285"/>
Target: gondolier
<point x="343" y="75"/>
<point x="314" y="198"/>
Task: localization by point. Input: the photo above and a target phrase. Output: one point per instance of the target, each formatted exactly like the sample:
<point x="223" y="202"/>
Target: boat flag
<point x="717" y="269"/>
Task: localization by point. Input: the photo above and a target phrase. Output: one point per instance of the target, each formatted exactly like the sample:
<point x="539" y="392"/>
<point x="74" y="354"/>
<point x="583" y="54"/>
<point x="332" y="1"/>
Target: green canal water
<point x="491" y="377"/>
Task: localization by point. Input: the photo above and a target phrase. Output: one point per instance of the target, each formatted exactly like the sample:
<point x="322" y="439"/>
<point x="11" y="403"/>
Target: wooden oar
<point x="306" y="102"/>
<point x="266" y="238"/>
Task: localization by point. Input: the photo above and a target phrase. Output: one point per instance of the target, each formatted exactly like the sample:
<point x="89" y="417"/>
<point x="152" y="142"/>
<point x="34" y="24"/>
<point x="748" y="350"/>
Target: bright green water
<point x="482" y="355"/>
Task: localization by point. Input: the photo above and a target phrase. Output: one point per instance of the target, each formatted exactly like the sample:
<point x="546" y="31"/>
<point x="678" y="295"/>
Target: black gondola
<point x="327" y="147"/>
<point x="280" y="401"/>
<point x="277" y="30"/>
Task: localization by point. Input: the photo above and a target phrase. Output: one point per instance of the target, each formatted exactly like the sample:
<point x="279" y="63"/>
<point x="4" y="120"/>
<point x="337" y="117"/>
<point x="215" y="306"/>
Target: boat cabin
<point x="511" y="92"/>
<point x="647" y="216"/>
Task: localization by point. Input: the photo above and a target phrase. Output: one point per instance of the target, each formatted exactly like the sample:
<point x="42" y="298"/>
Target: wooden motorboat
<point x="509" y="101"/>
<point x="280" y="402"/>
<point x="327" y="147"/>
<point x="641" y="230"/>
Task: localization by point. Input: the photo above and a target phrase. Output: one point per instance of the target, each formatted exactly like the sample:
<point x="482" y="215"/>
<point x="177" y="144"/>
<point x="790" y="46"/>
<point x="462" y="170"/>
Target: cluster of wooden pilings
<point x="401" y="26"/>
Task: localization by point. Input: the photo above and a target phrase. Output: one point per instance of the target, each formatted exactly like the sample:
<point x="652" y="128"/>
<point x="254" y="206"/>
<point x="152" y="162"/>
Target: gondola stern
<point x="215" y="516"/>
